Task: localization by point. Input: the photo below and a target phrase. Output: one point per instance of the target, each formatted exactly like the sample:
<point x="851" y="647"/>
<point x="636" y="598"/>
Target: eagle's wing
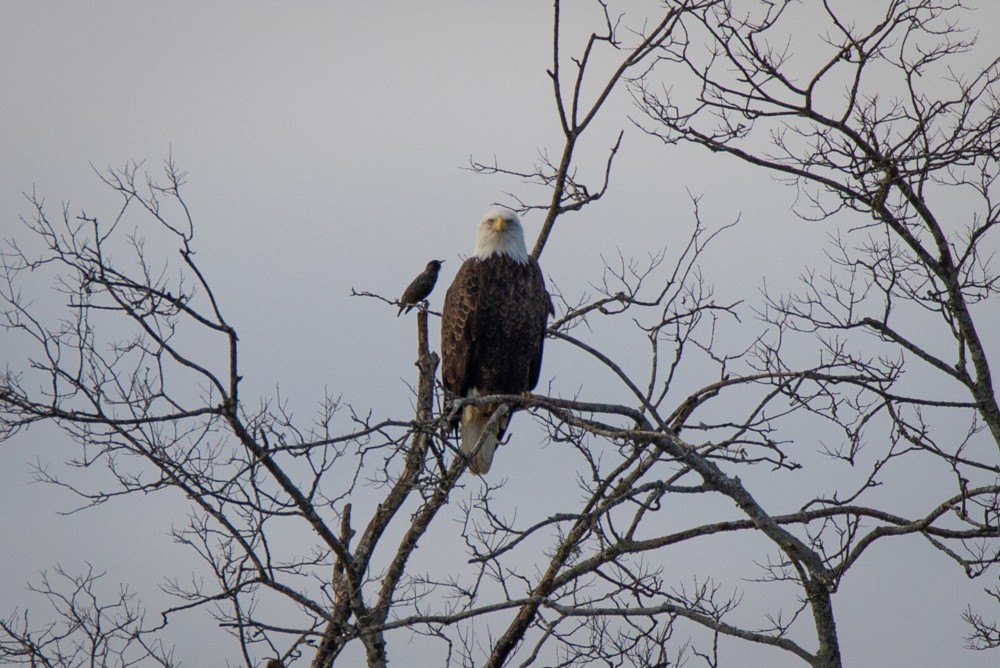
<point x="541" y="307"/>
<point x="459" y="338"/>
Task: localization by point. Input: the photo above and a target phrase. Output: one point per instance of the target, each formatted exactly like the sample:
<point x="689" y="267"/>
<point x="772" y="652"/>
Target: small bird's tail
<point x="474" y="421"/>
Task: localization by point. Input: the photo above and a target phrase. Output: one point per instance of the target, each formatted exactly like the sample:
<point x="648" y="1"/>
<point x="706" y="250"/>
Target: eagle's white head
<point x="500" y="233"/>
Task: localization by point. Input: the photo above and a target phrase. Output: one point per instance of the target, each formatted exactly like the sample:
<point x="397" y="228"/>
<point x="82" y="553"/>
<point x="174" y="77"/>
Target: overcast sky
<point x="326" y="146"/>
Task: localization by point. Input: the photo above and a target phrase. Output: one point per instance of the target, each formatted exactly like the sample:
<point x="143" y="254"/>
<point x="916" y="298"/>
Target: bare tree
<point x="883" y="353"/>
<point x="87" y="629"/>
<point x="868" y="117"/>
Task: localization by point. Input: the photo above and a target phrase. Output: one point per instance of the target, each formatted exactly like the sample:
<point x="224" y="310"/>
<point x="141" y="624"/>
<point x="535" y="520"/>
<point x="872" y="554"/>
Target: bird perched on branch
<point x="492" y="330"/>
<point x="420" y="288"/>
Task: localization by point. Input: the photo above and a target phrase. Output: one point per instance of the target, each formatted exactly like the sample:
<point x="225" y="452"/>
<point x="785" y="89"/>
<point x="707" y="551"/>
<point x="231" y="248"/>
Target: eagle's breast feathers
<point x="492" y="335"/>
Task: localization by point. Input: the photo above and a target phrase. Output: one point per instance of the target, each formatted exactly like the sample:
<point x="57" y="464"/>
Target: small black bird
<point x="420" y="288"/>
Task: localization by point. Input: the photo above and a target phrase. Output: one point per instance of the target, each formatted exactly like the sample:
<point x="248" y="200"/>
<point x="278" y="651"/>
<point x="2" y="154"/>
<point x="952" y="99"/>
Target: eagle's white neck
<point x="501" y="244"/>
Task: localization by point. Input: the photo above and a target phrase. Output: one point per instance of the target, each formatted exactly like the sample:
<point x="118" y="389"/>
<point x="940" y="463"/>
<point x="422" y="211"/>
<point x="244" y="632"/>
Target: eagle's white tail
<point x="474" y="420"/>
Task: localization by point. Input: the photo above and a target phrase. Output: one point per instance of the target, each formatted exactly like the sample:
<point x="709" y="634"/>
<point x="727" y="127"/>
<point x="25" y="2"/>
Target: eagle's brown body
<point x="492" y="337"/>
<point x="492" y="332"/>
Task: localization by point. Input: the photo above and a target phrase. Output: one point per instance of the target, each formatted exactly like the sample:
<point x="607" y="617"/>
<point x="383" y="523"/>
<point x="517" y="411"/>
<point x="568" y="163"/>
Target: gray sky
<point x="325" y="145"/>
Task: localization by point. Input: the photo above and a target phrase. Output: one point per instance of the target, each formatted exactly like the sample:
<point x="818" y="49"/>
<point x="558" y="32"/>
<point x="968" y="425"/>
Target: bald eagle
<point x="492" y="329"/>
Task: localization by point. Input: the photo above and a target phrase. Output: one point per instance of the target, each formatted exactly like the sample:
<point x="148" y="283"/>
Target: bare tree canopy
<point x="729" y="466"/>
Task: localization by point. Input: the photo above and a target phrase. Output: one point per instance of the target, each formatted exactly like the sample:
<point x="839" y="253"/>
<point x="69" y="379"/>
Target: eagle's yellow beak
<point x="499" y="224"/>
